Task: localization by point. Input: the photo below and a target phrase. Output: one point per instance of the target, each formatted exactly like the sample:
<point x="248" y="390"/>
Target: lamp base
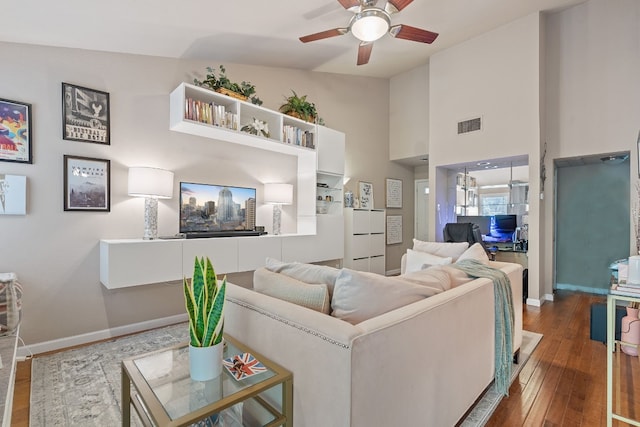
<point x="150" y="218"/>
<point x="277" y="218"/>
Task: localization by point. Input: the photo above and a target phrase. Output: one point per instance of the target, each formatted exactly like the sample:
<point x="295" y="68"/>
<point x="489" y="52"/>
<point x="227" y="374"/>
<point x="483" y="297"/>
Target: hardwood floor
<point x="562" y="384"/>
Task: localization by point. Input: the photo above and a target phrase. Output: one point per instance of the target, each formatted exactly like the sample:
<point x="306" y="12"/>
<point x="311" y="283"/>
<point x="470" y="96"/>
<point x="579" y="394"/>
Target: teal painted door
<point x="592" y="224"/>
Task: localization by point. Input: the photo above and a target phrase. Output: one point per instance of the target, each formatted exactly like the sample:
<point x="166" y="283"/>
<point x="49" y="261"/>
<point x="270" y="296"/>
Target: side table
<point x="159" y="387"/>
<point x="612" y="299"/>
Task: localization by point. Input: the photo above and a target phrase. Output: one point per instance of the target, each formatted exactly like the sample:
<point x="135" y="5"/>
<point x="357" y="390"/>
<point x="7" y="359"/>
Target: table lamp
<point x="152" y="184"/>
<point x="278" y="195"/>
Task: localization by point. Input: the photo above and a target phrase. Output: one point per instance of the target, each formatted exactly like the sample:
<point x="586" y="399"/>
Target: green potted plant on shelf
<point x="204" y="300"/>
<point x="222" y="84"/>
<point x="299" y="107"/>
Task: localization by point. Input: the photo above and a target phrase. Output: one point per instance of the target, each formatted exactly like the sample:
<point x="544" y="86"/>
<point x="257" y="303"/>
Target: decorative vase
<point x="205" y="363"/>
<point x="630" y="331"/>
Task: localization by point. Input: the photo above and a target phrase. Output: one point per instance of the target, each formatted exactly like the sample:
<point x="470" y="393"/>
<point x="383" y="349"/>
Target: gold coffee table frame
<point x="154" y="412"/>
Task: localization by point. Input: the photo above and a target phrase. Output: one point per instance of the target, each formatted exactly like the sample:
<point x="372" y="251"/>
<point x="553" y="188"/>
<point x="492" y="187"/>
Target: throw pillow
<point x="359" y="295"/>
<point x="477" y="252"/>
<point x="443" y="249"/>
<point x="457" y="276"/>
<point x="416" y="260"/>
<point x="308" y="273"/>
<point x="313" y="296"/>
<point x="435" y="277"/>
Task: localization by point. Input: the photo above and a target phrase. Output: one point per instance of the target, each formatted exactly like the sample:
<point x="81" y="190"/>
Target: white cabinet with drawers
<point x="364" y="240"/>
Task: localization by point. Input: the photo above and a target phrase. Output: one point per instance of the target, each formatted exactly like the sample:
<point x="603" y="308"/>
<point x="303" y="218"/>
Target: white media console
<point x="319" y="237"/>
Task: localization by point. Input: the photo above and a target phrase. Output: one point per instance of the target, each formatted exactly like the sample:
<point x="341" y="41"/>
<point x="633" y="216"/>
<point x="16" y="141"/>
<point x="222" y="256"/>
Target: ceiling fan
<point x="370" y="22"/>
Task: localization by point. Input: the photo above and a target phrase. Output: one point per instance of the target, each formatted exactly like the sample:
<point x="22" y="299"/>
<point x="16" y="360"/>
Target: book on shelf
<point x="621" y="289"/>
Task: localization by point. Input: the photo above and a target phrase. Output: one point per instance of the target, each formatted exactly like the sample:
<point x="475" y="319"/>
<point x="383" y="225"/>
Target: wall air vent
<point x="470" y="125"/>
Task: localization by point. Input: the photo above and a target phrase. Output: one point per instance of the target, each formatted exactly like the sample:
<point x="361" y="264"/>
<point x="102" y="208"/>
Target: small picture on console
<point x="208" y="210"/>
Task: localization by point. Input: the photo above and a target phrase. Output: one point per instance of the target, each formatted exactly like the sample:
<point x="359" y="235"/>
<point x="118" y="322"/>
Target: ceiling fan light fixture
<point x="370" y="24"/>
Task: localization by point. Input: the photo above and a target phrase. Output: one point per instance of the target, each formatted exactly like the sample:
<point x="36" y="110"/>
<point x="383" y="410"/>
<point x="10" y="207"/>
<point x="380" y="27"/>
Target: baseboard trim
<point x="395" y="272"/>
<point x="534" y="302"/>
<point x="579" y="288"/>
<point x="43" y="347"/>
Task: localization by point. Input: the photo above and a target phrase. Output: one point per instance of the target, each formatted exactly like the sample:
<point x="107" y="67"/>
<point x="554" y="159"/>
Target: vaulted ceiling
<point x="256" y="32"/>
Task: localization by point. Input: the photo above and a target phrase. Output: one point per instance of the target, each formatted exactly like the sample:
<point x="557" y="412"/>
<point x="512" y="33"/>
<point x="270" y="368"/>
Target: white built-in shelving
<point x="132" y="262"/>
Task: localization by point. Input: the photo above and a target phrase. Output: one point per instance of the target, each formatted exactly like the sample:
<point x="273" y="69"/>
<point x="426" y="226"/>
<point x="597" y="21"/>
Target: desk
<point x="611" y="346"/>
<point x="516" y="257"/>
<point x="164" y="394"/>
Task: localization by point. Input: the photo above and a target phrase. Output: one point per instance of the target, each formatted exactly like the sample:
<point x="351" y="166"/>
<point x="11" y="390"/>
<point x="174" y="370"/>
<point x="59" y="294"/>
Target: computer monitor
<point x="504" y="225"/>
<point x="483" y="222"/>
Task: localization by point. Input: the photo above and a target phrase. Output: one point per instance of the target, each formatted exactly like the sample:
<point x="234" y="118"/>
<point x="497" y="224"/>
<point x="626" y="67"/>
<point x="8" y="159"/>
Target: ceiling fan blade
<point x="324" y="35"/>
<point x="364" y="52"/>
<point x="348" y="4"/>
<point x="412" y="33"/>
<point x="397" y="5"/>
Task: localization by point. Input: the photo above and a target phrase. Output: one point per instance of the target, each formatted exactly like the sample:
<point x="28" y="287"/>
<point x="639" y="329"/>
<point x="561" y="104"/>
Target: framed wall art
<point x="394" y="229"/>
<point x="394" y="193"/>
<point x="365" y="194"/>
<point x="85" y="114"/>
<point x="15" y="131"/>
<point x="13" y="194"/>
<point x="87" y="184"/>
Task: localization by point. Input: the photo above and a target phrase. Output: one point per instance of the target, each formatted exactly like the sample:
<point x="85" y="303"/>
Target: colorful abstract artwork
<point x="15" y="131"/>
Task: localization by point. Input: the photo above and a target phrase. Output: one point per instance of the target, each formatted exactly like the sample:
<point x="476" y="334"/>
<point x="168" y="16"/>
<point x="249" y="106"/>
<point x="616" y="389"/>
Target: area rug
<point x="490" y="400"/>
<point x="81" y="387"/>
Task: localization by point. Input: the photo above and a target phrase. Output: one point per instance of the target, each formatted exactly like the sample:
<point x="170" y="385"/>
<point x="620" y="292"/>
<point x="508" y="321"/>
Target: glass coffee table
<point x="160" y="389"/>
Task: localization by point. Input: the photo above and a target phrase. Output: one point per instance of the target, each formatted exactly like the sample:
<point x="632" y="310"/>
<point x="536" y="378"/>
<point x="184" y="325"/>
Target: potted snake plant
<point x="204" y="300"/>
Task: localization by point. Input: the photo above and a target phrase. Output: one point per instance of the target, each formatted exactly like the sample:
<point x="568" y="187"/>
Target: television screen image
<point x="209" y="208"/>
<point x="503" y="226"/>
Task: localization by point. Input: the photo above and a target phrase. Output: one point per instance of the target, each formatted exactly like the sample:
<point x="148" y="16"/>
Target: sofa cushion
<point x="476" y="252"/>
<point x="443" y="249"/>
<point x="457" y="276"/>
<point x="359" y="295"/>
<point x="435" y="277"/>
<point x="281" y="286"/>
<point x="417" y="260"/>
<point x="308" y="273"/>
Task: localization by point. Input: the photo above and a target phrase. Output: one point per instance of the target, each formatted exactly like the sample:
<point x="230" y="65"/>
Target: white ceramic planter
<point x="205" y="363"/>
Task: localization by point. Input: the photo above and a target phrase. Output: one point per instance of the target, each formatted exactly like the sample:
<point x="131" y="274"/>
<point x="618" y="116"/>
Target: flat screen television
<point x="209" y="210"/>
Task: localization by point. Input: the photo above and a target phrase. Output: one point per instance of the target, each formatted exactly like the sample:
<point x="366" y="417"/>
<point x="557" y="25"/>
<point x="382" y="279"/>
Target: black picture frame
<point x="85" y="114"/>
<point x="87" y="184"/>
<point x="638" y="147"/>
<point x="16" y="143"/>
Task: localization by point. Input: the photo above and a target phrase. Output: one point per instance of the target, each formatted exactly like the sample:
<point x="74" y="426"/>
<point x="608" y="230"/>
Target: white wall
<point x="55" y="253"/>
<point x="592" y="91"/>
<point x="409" y="114"/>
<point x="495" y="76"/>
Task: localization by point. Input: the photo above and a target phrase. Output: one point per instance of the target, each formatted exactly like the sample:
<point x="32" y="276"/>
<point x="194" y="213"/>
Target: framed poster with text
<point x="15" y="131"/>
<point x="85" y="114"/>
<point x="394" y="193"/>
<point x="87" y="184"/>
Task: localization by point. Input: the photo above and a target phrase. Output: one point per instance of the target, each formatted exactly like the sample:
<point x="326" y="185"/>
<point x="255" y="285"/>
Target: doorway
<point x="421" y="214"/>
<point x="591" y="220"/>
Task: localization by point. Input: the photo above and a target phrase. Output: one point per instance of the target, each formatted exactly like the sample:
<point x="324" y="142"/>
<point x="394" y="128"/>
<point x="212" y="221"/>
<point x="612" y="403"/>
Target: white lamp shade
<point x="150" y="182"/>
<point x="281" y="194"/>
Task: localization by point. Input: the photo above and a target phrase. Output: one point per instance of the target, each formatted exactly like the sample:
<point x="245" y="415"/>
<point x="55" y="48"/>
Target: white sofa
<point x="423" y="364"/>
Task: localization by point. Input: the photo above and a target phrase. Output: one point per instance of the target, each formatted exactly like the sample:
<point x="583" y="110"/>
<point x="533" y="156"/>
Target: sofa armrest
<point x="314" y="346"/>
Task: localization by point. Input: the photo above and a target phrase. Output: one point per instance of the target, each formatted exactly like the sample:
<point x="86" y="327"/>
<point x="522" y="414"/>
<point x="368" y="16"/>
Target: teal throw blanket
<point x="503" y="300"/>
